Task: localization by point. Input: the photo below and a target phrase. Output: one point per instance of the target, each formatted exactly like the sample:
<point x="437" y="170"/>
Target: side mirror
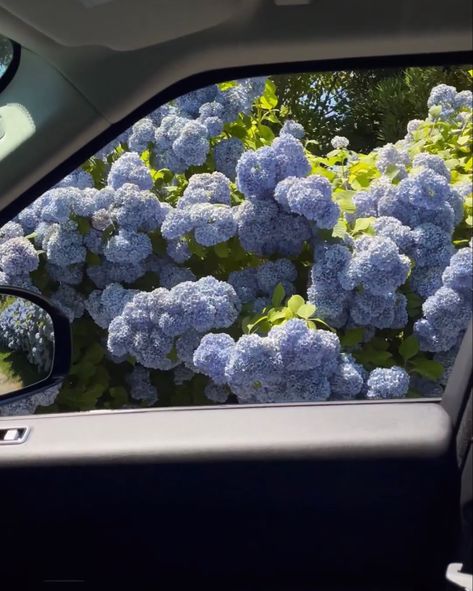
<point x="35" y="344"/>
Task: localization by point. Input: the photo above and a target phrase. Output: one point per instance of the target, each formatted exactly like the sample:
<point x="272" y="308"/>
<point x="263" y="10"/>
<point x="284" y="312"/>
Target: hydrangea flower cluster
<point x="292" y="363"/>
<point x="447" y="311"/>
<point x="204" y="211"/>
<point x="203" y="263"/>
<point x="161" y="328"/>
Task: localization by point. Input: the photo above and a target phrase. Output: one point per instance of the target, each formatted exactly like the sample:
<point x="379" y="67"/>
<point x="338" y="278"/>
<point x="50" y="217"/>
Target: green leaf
<point x="226" y="85"/>
<point x="306" y="311"/>
<point x="237" y="130"/>
<point x="345" y="200"/>
<point x="222" y="250"/>
<point x="363" y="225"/>
<point x="370" y="356"/>
<point x="414" y="304"/>
<point x="275" y="315"/>
<point x="261" y="325"/>
<point x="428" y="368"/>
<point x="269" y="100"/>
<point x="340" y="229"/>
<point x="94" y="354"/>
<point x="278" y="295"/>
<point x="295" y="302"/>
<point x="324" y="324"/>
<point x="119" y="395"/>
<point x="352" y="337"/>
<point x="409" y="347"/>
<point x="92" y="259"/>
<point x="83" y="225"/>
<point x="196" y="248"/>
<point x="172" y="355"/>
<point x="266" y="133"/>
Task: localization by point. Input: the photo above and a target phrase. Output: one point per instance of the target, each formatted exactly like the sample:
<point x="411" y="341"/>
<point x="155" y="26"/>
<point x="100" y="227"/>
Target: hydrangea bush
<point x="206" y="256"/>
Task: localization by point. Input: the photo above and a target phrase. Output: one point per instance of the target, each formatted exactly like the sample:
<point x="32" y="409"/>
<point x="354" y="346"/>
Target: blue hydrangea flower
<point x="339" y="142"/>
<point x="226" y="155"/>
<point x="127" y="247"/>
<point x="290" y="156"/>
<point x="212" y="224"/>
<point x="142" y="134"/>
<point x="135" y="209"/>
<point x="105" y="305"/>
<point x="301" y="348"/>
<point x="269" y="274"/>
<point x="347" y="382"/>
<point x="58" y="206"/>
<point x="435" y="163"/>
<point x="141" y="387"/>
<point x="311" y="198"/>
<point x="192" y="102"/>
<point x="129" y="168"/>
<point x="446" y="315"/>
<point x="72" y="274"/>
<point x="394" y="229"/>
<point x="216" y="393"/>
<point x="257" y="173"/>
<point x="293" y="128"/>
<point x="206" y="188"/>
<point x="425" y="281"/>
<point x="264" y="230"/>
<point x="211" y="356"/>
<point x="325" y="290"/>
<point x="376" y="265"/>
<point x="390" y="382"/>
<point x="177" y="223"/>
<point x="443" y="96"/>
<point x="459" y="273"/>
<point x="109" y="272"/>
<point x="178" y="250"/>
<point x="171" y="275"/>
<point x="432" y="246"/>
<point x="245" y="284"/>
<point x="79" y="179"/>
<point x="192" y="144"/>
<point x="464" y="100"/>
<point x="69" y="301"/>
<point x="64" y="245"/>
<point x="390" y="158"/>
<point x="379" y="311"/>
<point x="10" y="230"/>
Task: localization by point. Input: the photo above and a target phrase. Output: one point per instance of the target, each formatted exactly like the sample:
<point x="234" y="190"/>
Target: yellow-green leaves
<point x="269" y="100"/>
<point x="295" y="302"/>
<point x="363" y="226"/>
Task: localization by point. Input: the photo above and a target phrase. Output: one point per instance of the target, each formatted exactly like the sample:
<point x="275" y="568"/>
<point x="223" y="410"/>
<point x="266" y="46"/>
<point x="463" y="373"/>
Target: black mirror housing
<point x="62" y="353"/>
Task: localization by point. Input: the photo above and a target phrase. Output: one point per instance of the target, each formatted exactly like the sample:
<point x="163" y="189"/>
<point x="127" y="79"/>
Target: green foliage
<point x="369" y="107"/>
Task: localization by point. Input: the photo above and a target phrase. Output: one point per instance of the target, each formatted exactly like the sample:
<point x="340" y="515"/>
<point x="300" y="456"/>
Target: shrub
<point x="202" y="258"/>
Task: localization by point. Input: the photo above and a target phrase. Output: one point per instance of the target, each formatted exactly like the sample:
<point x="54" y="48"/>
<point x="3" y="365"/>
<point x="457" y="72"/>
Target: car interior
<point x="324" y="496"/>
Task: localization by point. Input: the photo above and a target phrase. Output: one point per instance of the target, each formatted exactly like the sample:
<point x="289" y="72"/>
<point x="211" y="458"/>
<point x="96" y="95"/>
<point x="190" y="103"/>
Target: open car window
<point x="283" y="239"/>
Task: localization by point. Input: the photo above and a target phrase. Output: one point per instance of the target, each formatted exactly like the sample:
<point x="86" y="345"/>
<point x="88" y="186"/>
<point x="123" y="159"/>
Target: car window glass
<point x="279" y="239"/>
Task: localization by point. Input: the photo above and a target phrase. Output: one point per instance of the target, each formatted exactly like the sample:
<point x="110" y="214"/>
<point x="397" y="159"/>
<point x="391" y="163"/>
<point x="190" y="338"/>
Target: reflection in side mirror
<point x="26" y="344"/>
<point x="35" y="344"/>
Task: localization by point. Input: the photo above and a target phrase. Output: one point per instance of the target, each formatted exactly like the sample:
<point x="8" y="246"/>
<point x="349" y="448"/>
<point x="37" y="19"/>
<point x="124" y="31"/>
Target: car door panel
<point x="307" y="495"/>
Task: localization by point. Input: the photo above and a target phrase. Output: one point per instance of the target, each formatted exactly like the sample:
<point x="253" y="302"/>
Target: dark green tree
<point x="369" y="107"/>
